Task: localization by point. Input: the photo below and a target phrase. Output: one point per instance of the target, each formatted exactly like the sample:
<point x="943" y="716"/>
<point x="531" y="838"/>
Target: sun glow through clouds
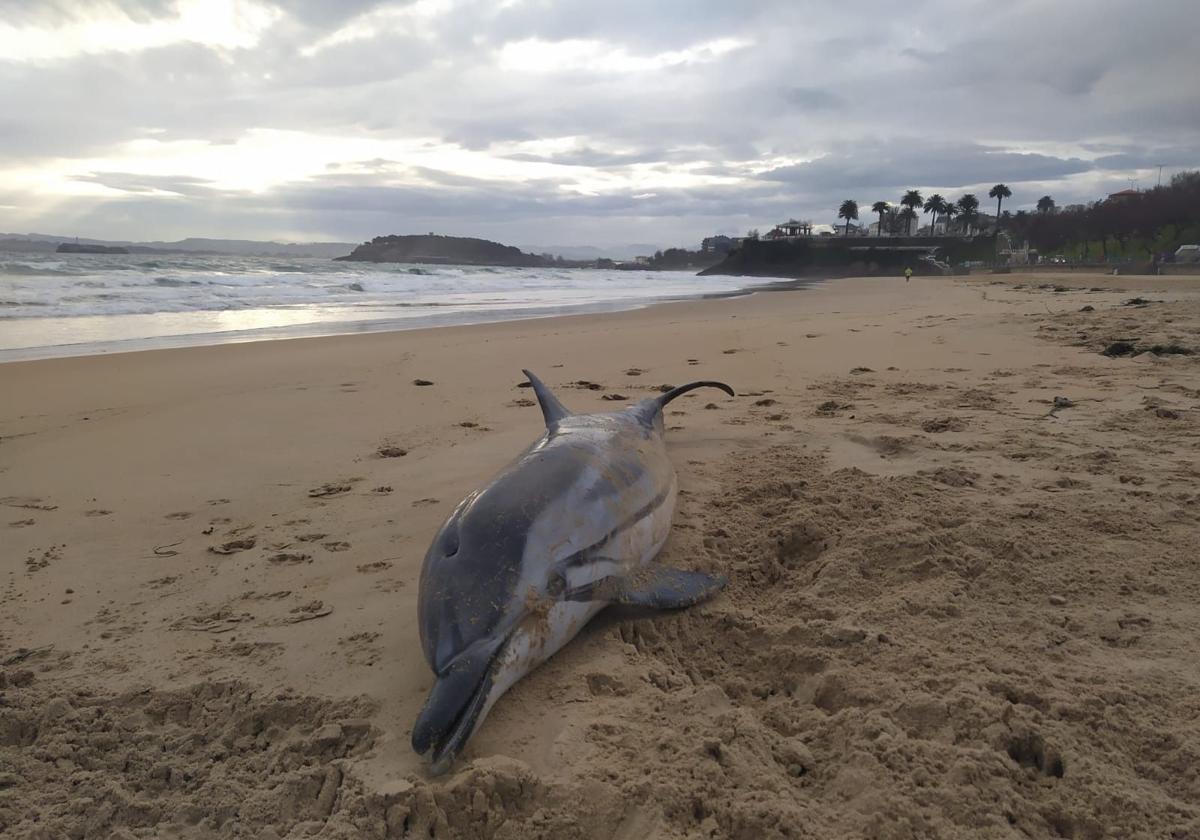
<point x="225" y="24"/>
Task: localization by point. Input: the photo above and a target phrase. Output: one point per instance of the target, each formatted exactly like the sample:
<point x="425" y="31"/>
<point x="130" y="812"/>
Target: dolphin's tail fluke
<point x="691" y="386"/>
<point x="649" y="409"/>
<point x="552" y="409"/>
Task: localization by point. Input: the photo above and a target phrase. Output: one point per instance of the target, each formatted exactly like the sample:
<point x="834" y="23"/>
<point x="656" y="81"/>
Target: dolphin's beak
<point x="447" y="748"/>
<point x="454" y="705"/>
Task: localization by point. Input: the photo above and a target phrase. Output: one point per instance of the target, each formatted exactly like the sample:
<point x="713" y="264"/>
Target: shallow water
<point x="78" y="304"/>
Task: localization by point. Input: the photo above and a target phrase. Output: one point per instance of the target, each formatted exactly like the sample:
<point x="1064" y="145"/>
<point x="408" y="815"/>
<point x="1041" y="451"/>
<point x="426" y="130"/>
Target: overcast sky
<point x="539" y="122"/>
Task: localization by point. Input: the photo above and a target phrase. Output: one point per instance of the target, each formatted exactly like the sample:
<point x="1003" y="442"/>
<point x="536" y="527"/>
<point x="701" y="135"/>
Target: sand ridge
<point x="958" y="606"/>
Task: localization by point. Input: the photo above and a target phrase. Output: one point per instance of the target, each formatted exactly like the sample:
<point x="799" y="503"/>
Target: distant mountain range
<point x="45" y="242"/>
<point x="193" y="245"/>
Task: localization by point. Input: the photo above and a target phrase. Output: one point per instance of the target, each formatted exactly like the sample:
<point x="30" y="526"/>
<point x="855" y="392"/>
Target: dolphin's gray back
<point x="552" y="512"/>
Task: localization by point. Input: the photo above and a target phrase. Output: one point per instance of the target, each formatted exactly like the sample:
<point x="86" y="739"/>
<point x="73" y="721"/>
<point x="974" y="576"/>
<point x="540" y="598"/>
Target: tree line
<point x="900" y="222"/>
<point x="1150" y="223"/>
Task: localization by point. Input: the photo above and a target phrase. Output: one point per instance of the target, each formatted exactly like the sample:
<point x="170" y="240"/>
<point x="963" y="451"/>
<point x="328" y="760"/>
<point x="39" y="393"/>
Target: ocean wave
<point x="194" y="285"/>
<point x="16" y="303"/>
<point x="26" y="270"/>
<point x="171" y="282"/>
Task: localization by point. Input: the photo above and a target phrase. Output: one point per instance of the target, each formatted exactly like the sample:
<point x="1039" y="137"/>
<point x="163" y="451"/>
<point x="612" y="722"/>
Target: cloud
<point x="812" y="99"/>
<point x="585" y="118"/>
<point x="913" y="162"/>
<point x="137" y="183"/>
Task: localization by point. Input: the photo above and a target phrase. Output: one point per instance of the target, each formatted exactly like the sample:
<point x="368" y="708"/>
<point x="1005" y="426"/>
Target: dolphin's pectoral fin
<point x="660" y="587"/>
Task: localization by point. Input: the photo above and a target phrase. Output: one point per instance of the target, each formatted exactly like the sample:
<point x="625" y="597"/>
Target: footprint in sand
<point x="423" y="383"/>
<point x="336" y="545"/>
<point x="424" y="502"/>
<point x="22" y="523"/>
<point x="614" y="397"/>
<point x="830" y="408"/>
<point x="182" y="514"/>
<point x="360" y="648"/>
<point x="98" y="512"/>
<point x="885" y="446"/>
<point x="218" y="501"/>
<point x="634" y="372"/>
<point x="731" y="351"/>
<point x="391" y="452"/>
<point x="234" y="546"/>
<point x="304" y="612"/>
<point x="377" y="566"/>
<point x="522" y="403"/>
<point x="289" y="558"/>
<point x="26" y="502"/>
<point x="382" y="490"/>
<point x="332" y="488"/>
<point x="944" y="424"/>
<point x="693" y="361"/>
<point x="310" y="537"/>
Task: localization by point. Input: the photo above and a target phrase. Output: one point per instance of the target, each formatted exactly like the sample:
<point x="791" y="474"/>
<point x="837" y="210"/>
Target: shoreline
<point x="219" y="548"/>
<point x="333" y="328"/>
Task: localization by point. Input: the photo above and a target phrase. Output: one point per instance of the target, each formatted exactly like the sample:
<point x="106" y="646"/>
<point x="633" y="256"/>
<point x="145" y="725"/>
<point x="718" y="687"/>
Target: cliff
<point x="850" y="257"/>
<point x="454" y="250"/>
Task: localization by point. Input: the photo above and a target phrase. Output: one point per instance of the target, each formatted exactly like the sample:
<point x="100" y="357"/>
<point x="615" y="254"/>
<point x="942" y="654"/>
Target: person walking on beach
<point x="907" y="273"/>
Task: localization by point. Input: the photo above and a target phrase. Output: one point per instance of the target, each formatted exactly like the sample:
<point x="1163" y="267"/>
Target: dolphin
<point x="570" y="526"/>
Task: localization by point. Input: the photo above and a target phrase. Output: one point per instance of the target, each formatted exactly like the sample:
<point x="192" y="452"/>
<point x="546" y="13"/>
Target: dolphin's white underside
<point x="541" y="635"/>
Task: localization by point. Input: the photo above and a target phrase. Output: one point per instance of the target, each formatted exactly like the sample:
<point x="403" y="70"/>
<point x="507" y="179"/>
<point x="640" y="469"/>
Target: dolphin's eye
<point x="556" y="585"/>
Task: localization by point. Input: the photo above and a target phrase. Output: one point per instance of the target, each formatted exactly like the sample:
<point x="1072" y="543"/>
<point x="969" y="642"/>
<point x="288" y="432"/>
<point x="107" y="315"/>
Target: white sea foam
<point x="54" y="304"/>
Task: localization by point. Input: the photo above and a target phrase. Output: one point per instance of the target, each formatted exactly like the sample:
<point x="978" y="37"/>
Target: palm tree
<point x="949" y="210"/>
<point x="999" y="192"/>
<point x="880" y="207"/>
<point x="934" y="204"/>
<point x="912" y="200"/>
<point x="1045" y="204"/>
<point x="848" y="211"/>
<point x="968" y="209"/>
<point x="908" y="214"/>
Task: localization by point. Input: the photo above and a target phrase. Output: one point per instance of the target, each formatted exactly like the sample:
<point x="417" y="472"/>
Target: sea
<point x="82" y="304"/>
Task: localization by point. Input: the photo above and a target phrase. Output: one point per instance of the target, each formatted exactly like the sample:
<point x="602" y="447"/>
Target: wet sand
<point x="955" y="609"/>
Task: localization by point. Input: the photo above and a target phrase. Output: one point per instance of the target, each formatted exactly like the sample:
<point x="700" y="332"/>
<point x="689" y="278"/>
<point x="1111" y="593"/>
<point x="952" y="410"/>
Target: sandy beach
<point x="957" y="608"/>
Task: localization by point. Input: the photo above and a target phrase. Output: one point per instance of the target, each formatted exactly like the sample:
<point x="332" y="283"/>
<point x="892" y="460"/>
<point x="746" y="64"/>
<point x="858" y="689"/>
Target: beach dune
<point x="961" y="543"/>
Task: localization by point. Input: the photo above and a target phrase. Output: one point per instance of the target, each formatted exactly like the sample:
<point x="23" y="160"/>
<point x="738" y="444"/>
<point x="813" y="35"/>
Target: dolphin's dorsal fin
<point x="552" y="409"/>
